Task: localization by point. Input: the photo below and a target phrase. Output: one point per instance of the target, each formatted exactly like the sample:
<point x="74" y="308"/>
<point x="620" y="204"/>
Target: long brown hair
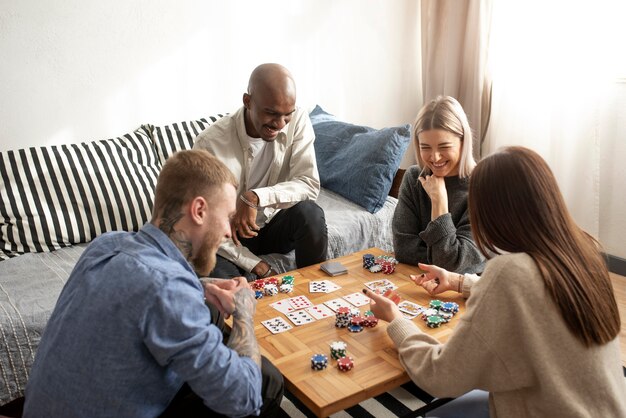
<point x="516" y="206"/>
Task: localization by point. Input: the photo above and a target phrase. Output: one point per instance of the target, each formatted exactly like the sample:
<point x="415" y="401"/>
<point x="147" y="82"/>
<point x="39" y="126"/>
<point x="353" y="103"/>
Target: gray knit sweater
<point x="446" y="241"/>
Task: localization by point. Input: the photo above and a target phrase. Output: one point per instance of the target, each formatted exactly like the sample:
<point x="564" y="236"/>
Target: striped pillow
<point x="56" y="196"/>
<point x="179" y="136"/>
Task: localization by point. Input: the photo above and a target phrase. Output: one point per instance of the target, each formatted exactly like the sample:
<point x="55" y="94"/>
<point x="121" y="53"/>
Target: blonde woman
<point x="431" y="222"/>
<point x="540" y="332"/>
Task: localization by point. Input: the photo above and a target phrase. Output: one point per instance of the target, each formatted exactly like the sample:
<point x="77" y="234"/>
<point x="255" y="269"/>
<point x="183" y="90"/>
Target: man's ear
<point x="246" y="100"/>
<point x="198" y="209"/>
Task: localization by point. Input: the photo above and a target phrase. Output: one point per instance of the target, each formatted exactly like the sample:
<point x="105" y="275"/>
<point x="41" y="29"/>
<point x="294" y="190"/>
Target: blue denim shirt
<point x="129" y="328"/>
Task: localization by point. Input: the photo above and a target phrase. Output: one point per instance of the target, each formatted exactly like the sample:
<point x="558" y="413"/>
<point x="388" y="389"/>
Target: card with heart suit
<point x="276" y="325"/>
<point x="337" y="303"/>
<point x="300" y="317"/>
<point x="381" y="285"/>
<point x="320" y="311"/>
<point x="299" y="302"/>
<point x="358" y="299"/>
<point x="283" y="306"/>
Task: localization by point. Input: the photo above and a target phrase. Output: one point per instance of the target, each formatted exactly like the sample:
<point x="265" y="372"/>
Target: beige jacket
<point x="513" y="342"/>
<point x="293" y="173"/>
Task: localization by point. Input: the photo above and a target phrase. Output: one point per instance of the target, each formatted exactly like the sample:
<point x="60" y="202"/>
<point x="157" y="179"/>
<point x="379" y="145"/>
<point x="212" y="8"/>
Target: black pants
<point x="189" y="405"/>
<point x="301" y="227"/>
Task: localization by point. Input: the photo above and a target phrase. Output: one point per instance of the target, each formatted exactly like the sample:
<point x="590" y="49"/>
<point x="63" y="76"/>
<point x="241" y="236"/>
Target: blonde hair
<point x="184" y="176"/>
<point x="516" y="206"/>
<point x="446" y="113"/>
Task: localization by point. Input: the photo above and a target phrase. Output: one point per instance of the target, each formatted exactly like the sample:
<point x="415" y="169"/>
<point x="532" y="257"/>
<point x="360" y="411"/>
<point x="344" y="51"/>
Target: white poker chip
<point x="376" y="268"/>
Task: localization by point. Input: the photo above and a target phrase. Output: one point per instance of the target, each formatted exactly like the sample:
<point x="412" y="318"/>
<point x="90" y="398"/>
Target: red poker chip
<point x="345" y="363"/>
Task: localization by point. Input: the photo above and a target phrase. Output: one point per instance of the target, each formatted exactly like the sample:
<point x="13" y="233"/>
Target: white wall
<point x="613" y="172"/>
<point x="76" y="70"/>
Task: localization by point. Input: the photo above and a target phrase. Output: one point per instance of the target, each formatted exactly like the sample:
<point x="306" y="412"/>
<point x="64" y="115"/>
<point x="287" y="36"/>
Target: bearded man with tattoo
<point x="131" y="334"/>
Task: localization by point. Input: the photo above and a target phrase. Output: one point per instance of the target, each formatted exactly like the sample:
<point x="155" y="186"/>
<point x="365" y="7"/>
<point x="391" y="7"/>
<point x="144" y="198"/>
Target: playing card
<point x="299" y="302"/>
<point x="300" y="317"/>
<point x="276" y="325"/>
<point x="357" y="299"/>
<point x="381" y="285"/>
<point x="337" y="303"/>
<point x="410" y="308"/>
<point x="318" y="286"/>
<point x="283" y="306"/>
<point x="322" y="286"/>
<point x="331" y="286"/>
<point x="319" y="311"/>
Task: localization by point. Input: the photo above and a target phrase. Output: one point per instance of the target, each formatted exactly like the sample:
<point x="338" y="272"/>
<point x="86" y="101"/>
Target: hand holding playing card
<point x="382" y="307"/>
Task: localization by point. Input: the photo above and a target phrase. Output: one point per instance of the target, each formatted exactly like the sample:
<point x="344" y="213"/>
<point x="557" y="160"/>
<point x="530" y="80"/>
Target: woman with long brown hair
<point x="541" y="325"/>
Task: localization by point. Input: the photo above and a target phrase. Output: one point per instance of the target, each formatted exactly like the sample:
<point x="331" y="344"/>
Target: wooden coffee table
<point x="376" y="365"/>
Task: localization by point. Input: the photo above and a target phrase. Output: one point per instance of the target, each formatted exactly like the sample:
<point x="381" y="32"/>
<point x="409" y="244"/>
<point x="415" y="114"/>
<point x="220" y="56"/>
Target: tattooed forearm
<point x="242" y="338"/>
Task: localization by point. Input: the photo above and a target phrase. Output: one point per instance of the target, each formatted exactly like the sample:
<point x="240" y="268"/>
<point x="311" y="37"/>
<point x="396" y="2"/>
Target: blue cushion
<point x="358" y="162"/>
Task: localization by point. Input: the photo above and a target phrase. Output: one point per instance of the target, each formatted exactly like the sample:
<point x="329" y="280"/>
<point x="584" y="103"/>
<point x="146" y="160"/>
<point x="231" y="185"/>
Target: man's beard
<point x="204" y="260"/>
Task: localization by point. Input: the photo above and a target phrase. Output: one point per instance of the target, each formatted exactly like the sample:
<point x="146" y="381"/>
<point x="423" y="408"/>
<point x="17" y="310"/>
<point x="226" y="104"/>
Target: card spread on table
<point x="322" y="286"/>
<point x="283" y="306"/>
<point x="276" y="325"/>
<point x="320" y="311"/>
<point x="357" y="299"/>
<point x="337" y="303"/>
<point x="299" y="302"/>
<point x="300" y="317"/>
<point x="381" y="285"/>
<point x="413" y="309"/>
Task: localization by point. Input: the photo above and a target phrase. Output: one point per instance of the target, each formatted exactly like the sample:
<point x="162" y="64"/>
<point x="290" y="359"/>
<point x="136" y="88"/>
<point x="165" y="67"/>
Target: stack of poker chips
<point x="270" y="289"/>
<point x="345" y="364"/>
<point x="368" y="261"/>
<point x="287" y="284"/>
<point x="384" y="263"/>
<point x="439" y="313"/>
<point x="272" y="280"/>
<point x="258" y="284"/>
<point x="338" y="349"/>
<point x="319" y="362"/>
<point x="343" y="316"/>
<point x="356" y="324"/>
<point x="288" y="280"/>
<point x="370" y="321"/>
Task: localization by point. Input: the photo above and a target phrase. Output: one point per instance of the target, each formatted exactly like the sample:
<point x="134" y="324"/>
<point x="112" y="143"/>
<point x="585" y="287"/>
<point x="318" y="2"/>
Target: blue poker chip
<point x="258" y="294"/>
<point x="355" y="328"/>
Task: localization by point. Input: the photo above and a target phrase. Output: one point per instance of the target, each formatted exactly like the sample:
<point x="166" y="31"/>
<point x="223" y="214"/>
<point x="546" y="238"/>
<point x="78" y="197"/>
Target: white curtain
<point x="552" y="64"/>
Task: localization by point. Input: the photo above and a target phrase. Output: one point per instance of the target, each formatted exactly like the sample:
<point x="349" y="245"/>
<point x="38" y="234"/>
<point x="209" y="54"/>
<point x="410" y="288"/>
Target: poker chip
<point x="338" y="349"/>
<point x="342" y="317"/>
<point x="270" y="289"/>
<point x="387" y="267"/>
<point x="376" y="268"/>
<point x="272" y="280"/>
<point x="288" y="280"/>
<point x="355" y="328"/>
<point x="368" y="313"/>
<point x="446" y="316"/>
<point x="429" y="312"/>
<point x="258" y="284"/>
<point x="434" y="321"/>
<point x="370" y="321"/>
<point x="319" y="362"/>
<point x="436" y="304"/>
<point x="345" y="364"/>
<point x="258" y="294"/>
<point x="286" y="288"/>
<point x="357" y="320"/>
<point x="450" y="307"/>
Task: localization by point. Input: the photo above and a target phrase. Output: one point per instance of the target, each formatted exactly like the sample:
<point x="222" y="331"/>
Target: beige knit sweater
<point x="512" y="342"/>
